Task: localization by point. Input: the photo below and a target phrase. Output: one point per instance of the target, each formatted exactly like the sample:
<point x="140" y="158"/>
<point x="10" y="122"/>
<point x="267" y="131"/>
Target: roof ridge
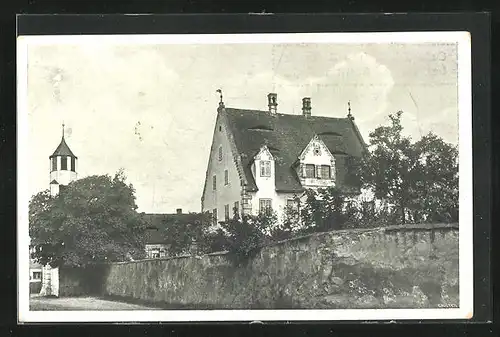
<point x="284" y="114"/>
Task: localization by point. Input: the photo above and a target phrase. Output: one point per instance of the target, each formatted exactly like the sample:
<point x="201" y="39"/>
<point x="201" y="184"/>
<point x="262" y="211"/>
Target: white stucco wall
<point x="162" y="249"/>
<point x="267" y="187"/>
<point x="54" y="189"/>
<point x="50" y="281"/>
<point x="323" y="158"/>
<point x="224" y="194"/>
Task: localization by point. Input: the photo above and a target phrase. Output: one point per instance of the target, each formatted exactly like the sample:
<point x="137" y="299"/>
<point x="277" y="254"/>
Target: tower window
<point x="73" y="164"/>
<point x="214" y="183"/>
<point x="220" y="153"/>
<point x="64" y="163"/>
<point x="54" y="163"/>
<point x="226" y="177"/>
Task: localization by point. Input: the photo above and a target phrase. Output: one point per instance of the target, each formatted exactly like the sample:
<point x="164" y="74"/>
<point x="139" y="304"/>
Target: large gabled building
<point x="261" y="160"/>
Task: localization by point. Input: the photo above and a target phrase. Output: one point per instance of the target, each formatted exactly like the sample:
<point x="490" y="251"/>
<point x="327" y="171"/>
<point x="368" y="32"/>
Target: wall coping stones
<point x="395" y="228"/>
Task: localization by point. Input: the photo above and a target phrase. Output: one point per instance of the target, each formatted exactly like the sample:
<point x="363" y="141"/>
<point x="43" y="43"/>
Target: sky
<point x="150" y="108"/>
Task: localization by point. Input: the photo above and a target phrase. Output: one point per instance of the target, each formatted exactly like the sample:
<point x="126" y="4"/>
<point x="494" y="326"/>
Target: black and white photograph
<point x="241" y="177"/>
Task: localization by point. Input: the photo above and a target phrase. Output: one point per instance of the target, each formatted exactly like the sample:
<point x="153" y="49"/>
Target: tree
<point x="324" y="209"/>
<point x="420" y="180"/>
<point x="181" y="234"/>
<point x="437" y="189"/>
<point x="390" y="167"/>
<point x="93" y="219"/>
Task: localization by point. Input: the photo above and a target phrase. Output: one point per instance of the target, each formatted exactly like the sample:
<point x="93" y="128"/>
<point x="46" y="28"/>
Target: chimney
<point x="272" y="100"/>
<point x="306" y="106"/>
<point x="179" y="211"/>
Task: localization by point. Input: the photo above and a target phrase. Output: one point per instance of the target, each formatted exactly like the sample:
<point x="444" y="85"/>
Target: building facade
<point x="35" y="277"/>
<point x="261" y="160"/>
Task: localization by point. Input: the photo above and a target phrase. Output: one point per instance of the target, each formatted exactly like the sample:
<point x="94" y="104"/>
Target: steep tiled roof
<point x="286" y="136"/>
<point x="35" y="265"/>
<point x="63" y="150"/>
<point x="158" y="222"/>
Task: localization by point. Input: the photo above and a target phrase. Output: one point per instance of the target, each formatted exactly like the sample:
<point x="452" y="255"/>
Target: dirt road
<point x="38" y="303"/>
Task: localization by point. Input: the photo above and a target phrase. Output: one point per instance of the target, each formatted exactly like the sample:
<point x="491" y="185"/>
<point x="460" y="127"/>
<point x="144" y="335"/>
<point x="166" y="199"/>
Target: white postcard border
<point x="465" y="183"/>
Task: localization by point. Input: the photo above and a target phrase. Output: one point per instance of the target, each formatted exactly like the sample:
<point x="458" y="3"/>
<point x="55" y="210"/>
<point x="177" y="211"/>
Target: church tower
<point x="62" y="167"/>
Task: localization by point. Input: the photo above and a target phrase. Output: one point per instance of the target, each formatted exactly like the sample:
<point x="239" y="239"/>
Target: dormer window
<point x="329" y="133"/>
<point x="261" y="128"/>
<point x="265" y="168"/>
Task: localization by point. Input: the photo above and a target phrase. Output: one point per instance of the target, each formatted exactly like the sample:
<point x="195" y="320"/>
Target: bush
<point x="243" y="236"/>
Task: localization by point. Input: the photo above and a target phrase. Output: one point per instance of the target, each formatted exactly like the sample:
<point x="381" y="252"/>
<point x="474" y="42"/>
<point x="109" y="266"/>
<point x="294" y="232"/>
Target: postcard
<point x="245" y="177"/>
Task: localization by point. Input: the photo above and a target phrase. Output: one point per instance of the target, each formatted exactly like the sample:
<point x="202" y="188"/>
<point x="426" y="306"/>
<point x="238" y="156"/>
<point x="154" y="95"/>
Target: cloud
<point x="444" y="124"/>
<point x="106" y="91"/>
<point x="358" y="78"/>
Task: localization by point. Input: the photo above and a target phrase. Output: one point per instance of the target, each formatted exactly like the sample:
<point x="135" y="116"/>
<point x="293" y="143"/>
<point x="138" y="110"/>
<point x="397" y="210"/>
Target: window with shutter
<point x="310" y="171"/>
<point x="214" y="214"/>
<point x="236" y="208"/>
<point x="226" y="177"/>
<point x="292" y="204"/>
<point x="265" y="168"/>
<point x="325" y="172"/>
<point x="265" y="206"/>
<point x="214" y="182"/>
<point x="220" y="153"/>
<point x="226" y="212"/>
